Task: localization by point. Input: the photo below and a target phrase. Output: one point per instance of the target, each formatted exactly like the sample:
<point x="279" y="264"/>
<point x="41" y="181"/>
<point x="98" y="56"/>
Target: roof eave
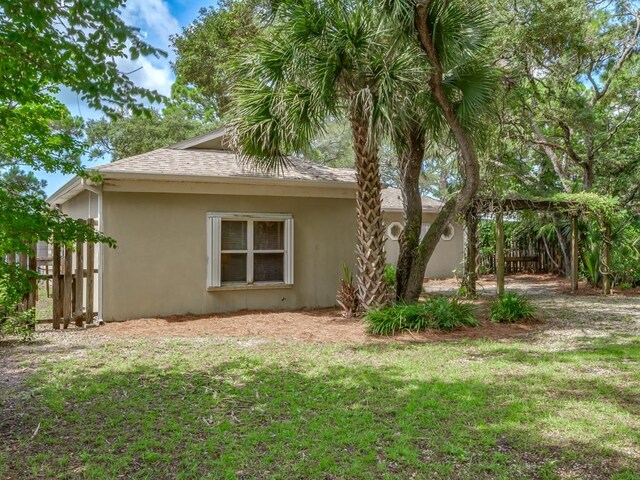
<point x="107" y="175"/>
<point x="66" y="192"/>
<point x="195" y="141"/>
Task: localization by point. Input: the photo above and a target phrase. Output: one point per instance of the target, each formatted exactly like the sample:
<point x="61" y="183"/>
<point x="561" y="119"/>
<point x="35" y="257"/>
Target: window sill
<point x="254" y="286"/>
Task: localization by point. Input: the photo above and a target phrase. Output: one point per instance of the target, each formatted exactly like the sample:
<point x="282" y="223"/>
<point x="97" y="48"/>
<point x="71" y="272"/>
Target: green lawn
<point x="207" y="408"/>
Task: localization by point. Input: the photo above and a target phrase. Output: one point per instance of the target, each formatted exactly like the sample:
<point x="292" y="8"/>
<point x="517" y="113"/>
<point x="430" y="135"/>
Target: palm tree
<point x="452" y="35"/>
<point x="321" y="60"/>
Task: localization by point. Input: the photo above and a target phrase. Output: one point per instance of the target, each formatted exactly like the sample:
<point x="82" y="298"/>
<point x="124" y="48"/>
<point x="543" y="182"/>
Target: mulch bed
<point x="314" y="326"/>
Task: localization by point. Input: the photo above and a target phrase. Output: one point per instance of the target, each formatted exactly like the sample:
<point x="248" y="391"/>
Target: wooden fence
<point x="73" y="283"/>
<point x="530" y="256"/>
<point x="71" y="276"/>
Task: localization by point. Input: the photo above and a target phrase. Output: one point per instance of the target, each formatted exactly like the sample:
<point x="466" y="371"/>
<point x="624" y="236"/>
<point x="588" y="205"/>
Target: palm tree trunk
<point x="370" y="254"/>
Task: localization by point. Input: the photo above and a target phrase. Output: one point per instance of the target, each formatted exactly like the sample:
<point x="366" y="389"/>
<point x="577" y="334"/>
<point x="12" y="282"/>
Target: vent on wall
<point x="449" y="232"/>
<point x="394" y="230"/>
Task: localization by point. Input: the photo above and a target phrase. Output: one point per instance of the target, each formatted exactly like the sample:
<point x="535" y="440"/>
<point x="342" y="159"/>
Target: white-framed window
<point x="249" y="249"/>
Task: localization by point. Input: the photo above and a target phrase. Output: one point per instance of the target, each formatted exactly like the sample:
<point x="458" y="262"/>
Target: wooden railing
<point x="73" y="283"/>
<point x="70" y="271"/>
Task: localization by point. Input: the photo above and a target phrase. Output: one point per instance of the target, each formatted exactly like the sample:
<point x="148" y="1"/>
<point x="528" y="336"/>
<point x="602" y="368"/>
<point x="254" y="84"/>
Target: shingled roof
<point x="392" y="201"/>
<point x="218" y="163"/>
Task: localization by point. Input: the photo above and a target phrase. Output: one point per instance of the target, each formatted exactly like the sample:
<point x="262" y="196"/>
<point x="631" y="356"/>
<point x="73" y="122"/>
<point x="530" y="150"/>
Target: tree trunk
<point x="468" y="157"/>
<point x="410" y="159"/>
<point x="588" y="175"/>
<point x="564" y="248"/>
<point x="500" y="252"/>
<point x="372" y="289"/>
<point x="471" y="270"/>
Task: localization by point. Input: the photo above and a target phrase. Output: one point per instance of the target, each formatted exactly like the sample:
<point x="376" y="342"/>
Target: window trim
<point x="214" y="249"/>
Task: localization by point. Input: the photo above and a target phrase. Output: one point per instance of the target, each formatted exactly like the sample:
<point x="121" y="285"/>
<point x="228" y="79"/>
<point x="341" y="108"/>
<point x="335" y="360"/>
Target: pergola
<point x="573" y="207"/>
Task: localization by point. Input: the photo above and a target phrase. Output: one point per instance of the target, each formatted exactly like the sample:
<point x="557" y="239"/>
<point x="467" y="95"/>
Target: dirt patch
<point x="316" y="326"/>
<point x="525" y="283"/>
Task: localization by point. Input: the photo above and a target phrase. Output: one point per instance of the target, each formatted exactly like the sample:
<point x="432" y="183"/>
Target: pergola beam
<point x="484" y="205"/>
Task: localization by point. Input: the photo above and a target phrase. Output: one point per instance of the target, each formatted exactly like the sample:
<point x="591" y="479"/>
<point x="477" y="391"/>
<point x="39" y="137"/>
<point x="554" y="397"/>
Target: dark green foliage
<point x="18" y="324"/>
<point x="591" y="261"/>
<point x="130" y="135"/>
<point x="390" y="277"/>
<point x="625" y="257"/>
<point x="44" y="46"/>
<point x="439" y="313"/>
<point x="14" y="284"/>
<point x="207" y="48"/>
<point x="510" y="308"/>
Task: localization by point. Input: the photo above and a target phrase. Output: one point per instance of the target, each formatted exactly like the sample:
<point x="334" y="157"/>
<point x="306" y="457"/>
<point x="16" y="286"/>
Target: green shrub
<point x="14" y="284"/>
<point x="390" y="277"/>
<point x="510" y="308"/>
<point x="591" y="261"/>
<point x="440" y="313"/>
<point x="19" y="324"/>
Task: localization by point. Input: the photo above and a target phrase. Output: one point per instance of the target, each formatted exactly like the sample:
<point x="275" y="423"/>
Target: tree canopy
<point x="46" y="46"/>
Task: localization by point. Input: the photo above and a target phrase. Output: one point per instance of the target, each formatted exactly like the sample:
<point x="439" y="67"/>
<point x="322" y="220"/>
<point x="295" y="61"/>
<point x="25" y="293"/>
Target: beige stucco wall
<point x="159" y="266"/>
<point x="82" y="206"/>
<point x="446" y="257"/>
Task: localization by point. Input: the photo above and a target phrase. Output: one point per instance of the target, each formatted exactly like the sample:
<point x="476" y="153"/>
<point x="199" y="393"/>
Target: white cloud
<point x="153" y="18"/>
<point x="156" y="24"/>
<point x="149" y="75"/>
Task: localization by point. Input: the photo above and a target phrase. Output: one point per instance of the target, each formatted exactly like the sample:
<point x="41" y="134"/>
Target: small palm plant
<point x="347" y="296"/>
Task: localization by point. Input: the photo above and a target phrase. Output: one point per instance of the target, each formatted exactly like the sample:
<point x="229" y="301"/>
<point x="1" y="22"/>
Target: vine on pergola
<point x="604" y="208"/>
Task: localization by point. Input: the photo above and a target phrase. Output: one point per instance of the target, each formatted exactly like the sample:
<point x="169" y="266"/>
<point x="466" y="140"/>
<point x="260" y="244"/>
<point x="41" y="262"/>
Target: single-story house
<point x="199" y="232"/>
<point x="447" y="257"/>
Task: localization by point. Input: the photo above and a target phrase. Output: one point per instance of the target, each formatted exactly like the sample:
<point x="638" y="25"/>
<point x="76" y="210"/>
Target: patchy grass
<point x="44" y="305"/>
<point x="235" y="408"/>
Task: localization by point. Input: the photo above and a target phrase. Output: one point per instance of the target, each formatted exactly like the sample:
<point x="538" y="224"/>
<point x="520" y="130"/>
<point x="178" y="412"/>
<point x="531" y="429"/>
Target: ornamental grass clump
<point x="439" y="313"/>
<point x="510" y="308"/>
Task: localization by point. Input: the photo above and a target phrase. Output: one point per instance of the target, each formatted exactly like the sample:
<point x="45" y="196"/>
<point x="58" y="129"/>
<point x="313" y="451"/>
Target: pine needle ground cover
<point x="563" y="406"/>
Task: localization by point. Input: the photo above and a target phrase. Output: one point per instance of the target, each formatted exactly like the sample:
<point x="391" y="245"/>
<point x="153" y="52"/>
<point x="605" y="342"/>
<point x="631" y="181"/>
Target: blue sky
<point x="157" y="20"/>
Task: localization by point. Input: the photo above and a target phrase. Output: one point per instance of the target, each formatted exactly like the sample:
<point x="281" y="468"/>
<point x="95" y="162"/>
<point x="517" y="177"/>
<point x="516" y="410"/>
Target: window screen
<point x="250" y="249"/>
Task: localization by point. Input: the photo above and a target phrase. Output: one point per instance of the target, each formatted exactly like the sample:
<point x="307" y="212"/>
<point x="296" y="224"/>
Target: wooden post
<point x="46" y="282"/>
<point x="78" y="314"/>
<point x="471" y="221"/>
<point x="90" y="262"/>
<point x="57" y="291"/>
<point x="574" y="254"/>
<point x="33" y="282"/>
<point x="606" y="258"/>
<point x="24" y="265"/>
<point x="500" y="253"/>
<point x="67" y="291"/>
